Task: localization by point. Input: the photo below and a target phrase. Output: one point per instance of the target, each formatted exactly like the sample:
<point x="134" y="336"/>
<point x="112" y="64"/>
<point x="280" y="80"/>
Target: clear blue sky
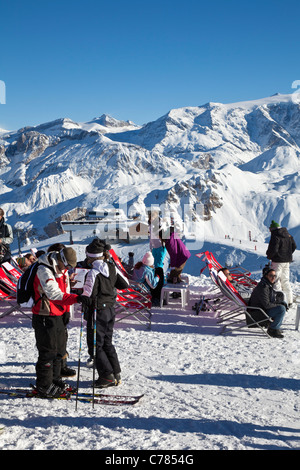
<point x="137" y="59"/>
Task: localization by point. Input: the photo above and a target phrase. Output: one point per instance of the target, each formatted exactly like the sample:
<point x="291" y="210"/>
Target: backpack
<point x="25" y="290"/>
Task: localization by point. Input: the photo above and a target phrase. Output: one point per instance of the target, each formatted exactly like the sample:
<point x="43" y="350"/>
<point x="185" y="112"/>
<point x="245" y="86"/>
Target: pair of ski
<point x="94" y="398"/>
<point x="85" y="397"/>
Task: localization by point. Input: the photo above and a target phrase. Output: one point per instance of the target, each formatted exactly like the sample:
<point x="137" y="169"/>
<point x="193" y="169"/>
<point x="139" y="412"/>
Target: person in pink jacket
<point x="178" y="253"/>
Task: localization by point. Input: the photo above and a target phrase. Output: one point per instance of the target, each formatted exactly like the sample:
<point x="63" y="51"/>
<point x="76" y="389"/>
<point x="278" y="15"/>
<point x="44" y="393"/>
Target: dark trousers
<point x="50" y="338"/>
<point x="155" y="293"/>
<point x="66" y="319"/>
<point x="107" y="361"/>
<point x="276" y="313"/>
<point x="88" y="316"/>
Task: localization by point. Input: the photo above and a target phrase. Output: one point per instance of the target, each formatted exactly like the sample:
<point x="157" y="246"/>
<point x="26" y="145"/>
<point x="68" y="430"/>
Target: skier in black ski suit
<point x="6" y="238"/>
<point x="99" y="293"/>
<point x="280" y="251"/>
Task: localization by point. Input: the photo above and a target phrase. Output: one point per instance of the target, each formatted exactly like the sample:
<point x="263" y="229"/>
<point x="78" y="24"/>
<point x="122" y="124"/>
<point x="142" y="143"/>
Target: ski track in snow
<point x="203" y="391"/>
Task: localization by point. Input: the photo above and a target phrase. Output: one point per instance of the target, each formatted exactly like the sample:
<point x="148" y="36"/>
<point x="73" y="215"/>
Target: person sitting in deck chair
<point x="265" y="297"/>
<point x="145" y="274"/>
<point x="242" y="290"/>
<point x="25" y="261"/>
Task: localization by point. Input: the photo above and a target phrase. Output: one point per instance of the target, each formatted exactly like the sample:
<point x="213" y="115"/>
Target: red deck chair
<point x="238" y="273"/>
<point x="231" y="308"/>
<point x="10" y="282"/>
<point x="12" y="270"/>
<point x="133" y="302"/>
<point x="8" y="302"/>
<point x="214" y="301"/>
<point x="238" y="316"/>
<point x="9" y="275"/>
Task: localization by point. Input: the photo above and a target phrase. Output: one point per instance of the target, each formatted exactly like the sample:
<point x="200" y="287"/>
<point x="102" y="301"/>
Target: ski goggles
<point x="64" y="260"/>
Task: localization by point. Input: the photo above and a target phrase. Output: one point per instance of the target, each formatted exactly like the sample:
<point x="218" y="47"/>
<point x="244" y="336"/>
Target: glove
<point x="84" y="300"/>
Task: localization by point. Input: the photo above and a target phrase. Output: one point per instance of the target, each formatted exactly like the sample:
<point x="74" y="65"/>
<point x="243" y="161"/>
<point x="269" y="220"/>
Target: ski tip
<point x="136" y="399"/>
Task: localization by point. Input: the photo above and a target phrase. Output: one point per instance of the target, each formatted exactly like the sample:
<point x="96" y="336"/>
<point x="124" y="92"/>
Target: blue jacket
<point x="145" y="275"/>
<point x="159" y="255"/>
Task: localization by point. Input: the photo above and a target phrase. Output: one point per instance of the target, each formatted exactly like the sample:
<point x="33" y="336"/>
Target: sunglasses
<point x="272" y="276"/>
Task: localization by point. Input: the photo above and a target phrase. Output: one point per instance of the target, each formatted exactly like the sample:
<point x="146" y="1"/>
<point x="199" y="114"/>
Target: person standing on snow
<point x="66" y="371"/>
<point x="159" y="251"/>
<point x="99" y="292"/>
<point x="178" y="253"/>
<point x="280" y="251"/>
<point x="6" y="238"/>
<point x="51" y="301"/>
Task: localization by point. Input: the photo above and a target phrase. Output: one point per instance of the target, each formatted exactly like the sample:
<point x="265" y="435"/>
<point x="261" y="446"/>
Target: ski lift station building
<point x="110" y="224"/>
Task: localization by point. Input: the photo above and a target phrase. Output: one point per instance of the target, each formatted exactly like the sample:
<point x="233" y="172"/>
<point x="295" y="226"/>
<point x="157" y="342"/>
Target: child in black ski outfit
<point x="99" y="292"/>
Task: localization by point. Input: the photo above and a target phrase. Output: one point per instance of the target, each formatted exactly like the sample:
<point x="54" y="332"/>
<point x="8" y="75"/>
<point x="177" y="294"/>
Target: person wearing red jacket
<point x="66" y="371"/>
<point x="51" y="300"/>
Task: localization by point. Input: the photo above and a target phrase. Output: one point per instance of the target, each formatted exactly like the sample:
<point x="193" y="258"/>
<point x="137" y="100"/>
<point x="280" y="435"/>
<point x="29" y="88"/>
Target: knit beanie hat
<point x="67" y="256"/>
<point x="148" y="259"/>
<point x="21" y="260"/>
<point x="274" y="225"/>
<point x="96" y="248"/>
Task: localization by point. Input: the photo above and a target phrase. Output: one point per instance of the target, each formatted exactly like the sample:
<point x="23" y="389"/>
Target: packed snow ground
<point x="203" y="390"/>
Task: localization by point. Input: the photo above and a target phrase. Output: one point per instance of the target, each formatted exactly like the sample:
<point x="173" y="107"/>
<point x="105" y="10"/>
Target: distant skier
<point x="280" y="251"/>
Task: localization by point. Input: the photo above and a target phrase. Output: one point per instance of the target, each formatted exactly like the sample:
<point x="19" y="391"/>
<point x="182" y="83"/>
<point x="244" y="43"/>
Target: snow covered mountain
<point x="238" y="162"/>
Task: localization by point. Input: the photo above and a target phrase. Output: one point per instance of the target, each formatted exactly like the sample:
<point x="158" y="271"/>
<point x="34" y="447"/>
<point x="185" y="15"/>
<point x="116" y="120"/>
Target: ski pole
<point x="79" y="358"/>
<point x="94" y="353"/>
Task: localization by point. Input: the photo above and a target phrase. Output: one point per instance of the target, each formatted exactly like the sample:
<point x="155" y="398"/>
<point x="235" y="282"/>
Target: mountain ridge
<point x="231" y="159"/>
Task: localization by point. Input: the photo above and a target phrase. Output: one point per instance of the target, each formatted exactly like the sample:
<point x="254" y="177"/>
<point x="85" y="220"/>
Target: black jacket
<point x="264" y="296"/>
<point x="102" y="282"/>
<point x="281" y="246"/>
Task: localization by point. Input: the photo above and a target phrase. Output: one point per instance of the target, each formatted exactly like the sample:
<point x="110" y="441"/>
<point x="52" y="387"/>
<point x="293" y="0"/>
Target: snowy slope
<point x="203" y="391"/>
